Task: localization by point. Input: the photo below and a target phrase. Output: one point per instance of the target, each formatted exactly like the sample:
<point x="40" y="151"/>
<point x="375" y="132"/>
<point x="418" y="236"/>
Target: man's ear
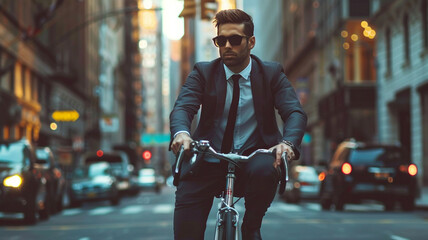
<point x="251" y="42"/>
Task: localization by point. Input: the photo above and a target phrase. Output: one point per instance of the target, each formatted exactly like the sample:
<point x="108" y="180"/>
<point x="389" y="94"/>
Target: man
<point x="238" y="93"/>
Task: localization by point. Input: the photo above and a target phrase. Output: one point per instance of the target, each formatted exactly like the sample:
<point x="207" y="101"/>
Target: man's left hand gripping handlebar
<point x="182" y="139"/>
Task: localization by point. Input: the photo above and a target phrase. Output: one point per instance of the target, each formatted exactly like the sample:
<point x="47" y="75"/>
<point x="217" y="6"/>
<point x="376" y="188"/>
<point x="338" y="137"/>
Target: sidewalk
<point x="422" y="202"/>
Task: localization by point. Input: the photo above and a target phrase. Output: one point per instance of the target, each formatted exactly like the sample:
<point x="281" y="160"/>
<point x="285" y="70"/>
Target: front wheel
<point x="30" y="211"/>
<point x="230" y="227"/>
<point x="226" y="227"/>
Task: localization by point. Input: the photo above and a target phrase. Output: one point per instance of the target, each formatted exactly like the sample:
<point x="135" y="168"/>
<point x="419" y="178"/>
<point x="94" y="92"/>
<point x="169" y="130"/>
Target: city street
<point x="149" y="216"/>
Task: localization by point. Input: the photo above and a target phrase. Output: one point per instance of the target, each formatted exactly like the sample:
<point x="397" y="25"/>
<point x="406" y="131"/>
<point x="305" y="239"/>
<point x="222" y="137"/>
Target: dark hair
<point x="235" y="16"/>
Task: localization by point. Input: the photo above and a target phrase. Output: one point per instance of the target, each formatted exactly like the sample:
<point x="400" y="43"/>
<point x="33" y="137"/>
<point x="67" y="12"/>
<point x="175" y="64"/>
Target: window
<point x="388" y="50"/>
<point x="359" y="8"/>
<point x="424" y="10"/>
<point x="406" y="38"/>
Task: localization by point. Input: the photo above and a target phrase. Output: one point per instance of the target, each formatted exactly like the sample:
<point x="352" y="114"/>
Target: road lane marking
<point x="71" y="212"/>
<point x="135" y="209"/>
<point x="163" y="208"/>
<point x="101" y="211"/>
<point x="283" y="207"/>
<point x="394" y="237"/>
<point x="211" y="222"/>
<point x="313" y="206"/>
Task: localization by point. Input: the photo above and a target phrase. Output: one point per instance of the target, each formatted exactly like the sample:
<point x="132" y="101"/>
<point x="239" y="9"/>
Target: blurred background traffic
<point x="86" y="88"/>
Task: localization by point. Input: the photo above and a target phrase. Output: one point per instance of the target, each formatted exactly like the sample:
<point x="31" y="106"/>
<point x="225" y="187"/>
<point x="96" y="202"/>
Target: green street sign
<point x="151" y="139"/>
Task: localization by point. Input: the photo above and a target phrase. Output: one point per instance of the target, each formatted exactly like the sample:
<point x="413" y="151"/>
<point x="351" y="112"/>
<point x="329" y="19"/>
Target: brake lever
<point x="179" y="159"/>
<point x="285" y="161"/>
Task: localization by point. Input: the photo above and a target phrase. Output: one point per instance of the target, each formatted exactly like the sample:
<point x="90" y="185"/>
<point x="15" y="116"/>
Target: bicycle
<point x="227" y="225"/>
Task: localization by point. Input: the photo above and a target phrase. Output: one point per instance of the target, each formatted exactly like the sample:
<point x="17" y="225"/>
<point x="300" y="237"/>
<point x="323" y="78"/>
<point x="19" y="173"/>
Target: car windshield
<point x="91" y="171"/>
<point x="376" y="156"/>
<point x="11" y="153"/>
<point x="42" y="156"/>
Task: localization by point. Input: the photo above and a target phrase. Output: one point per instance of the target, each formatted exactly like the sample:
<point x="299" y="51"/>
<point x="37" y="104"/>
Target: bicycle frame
<point x="227" y="217"/>
<point x="227" y="208"/>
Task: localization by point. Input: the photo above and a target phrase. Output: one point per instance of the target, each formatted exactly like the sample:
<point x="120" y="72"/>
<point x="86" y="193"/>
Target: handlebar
<point x="203" y="147"/>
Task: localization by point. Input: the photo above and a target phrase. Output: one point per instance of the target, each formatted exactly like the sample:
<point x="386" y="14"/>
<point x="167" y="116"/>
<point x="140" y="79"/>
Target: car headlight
<point x="12" y="181"/>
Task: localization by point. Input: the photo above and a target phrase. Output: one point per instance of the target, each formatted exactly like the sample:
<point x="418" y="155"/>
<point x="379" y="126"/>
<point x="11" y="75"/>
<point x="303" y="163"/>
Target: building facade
<point x="402" y="45"/>
<point x="331" y="65"/>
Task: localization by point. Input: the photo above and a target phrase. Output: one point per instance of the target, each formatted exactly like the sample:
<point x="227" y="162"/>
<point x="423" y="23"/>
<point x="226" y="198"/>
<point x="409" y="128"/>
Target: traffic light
<point x="147" y="156"/>
<point x="208" y="9"/>
<point x="100" y="153"/>
<point x="189" y="9"/>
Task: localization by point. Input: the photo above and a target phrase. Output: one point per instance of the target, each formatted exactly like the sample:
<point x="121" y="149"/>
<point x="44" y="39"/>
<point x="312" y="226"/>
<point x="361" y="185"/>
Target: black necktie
<point x="226" y="145"/>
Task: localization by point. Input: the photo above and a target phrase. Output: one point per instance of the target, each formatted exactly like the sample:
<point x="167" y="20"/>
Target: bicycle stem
<point x="230" y="183"/>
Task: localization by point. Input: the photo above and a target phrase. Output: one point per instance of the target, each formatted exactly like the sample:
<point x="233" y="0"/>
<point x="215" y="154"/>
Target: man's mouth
<point x="229" y="54"/>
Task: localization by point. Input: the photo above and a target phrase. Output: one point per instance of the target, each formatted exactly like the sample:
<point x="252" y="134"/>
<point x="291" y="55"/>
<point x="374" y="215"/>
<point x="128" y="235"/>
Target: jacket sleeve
<point x="187" y="103"/>
<point x="290" y="110"/>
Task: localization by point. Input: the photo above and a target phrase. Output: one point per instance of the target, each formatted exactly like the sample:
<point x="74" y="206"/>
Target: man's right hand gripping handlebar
<point x="280" y="149"/>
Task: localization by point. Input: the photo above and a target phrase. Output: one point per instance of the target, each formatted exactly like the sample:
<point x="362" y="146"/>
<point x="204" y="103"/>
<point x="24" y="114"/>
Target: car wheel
<point x="325" y="203"/>
<point x="44" y="211"/>
<point x="339" y="203"/>
<point x="134" y="192"/>
<point x="59" y="203"/>
<point x="30" y="211"/>
<point x="408" y="204"/>
<point x="158" y="189"/>
<point x="75" y="203"/>
<point x="325" y="199"/>
<point x="292" y="197"/>
<point x="115" y="200"/>
<point x="388" y="205"/>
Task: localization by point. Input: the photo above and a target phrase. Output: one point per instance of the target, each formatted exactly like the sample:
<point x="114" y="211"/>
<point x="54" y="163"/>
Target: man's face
<point x="235" y="57"/>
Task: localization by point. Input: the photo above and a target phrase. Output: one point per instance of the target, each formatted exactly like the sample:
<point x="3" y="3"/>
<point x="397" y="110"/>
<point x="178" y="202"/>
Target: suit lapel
<point x="257" y="89"/>
<point x="220" y="84"/>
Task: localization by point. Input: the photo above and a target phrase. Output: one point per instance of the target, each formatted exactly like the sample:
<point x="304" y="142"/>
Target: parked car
<point x="22" y="185"/>
<point x="360" y="171"/>
<point x="119" y="162"/>
<point x="53" y="174"/>
<point x="130" y="149"/>
<point x="94" y="181"/>
<point x="303" y="184"/>
<point x="148" y="179"/>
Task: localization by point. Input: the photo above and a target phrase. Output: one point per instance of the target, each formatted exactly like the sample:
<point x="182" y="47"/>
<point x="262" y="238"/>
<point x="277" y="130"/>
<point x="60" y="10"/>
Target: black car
<point x="95" y="181"/>
<point x="119" y="162"/>
<point x="54" y="177"/>
<point x="22" y="185"/>
<point x="360" y="171"/>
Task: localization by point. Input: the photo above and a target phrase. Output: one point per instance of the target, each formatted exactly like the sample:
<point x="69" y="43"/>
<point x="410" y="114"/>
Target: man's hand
<point x="182" y="139"/>
<point x="280" y="148"/>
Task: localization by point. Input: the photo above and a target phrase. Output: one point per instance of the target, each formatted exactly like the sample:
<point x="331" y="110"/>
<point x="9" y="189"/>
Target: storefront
<point x="423" y="92"/>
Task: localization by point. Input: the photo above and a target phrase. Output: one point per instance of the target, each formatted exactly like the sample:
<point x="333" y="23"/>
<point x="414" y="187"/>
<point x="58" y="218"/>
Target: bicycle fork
<point x="228" y="216"/>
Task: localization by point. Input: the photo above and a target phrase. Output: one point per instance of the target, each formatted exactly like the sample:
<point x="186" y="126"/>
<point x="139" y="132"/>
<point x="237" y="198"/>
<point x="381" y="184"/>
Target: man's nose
<point x="228" y="45"/>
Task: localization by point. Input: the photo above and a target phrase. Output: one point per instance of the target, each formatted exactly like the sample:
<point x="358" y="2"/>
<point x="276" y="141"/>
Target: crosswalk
<point x="276" y="207"/>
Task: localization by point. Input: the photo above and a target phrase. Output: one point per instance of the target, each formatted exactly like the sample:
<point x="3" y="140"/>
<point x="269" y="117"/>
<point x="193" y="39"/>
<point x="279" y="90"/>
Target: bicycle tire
<point x="226" y="230"/>
<point x="229" y="225"/>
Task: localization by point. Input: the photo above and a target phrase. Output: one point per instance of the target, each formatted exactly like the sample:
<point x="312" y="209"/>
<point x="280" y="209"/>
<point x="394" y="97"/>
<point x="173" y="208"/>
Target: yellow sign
<point x="65" y="116"/>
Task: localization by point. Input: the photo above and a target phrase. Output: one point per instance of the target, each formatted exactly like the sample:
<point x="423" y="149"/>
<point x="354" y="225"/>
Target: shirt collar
<point x="244" y="73"/>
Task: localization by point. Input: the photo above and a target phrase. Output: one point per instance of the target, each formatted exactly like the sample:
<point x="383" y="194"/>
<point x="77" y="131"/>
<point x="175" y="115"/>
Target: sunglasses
<point x="234" y="40"/>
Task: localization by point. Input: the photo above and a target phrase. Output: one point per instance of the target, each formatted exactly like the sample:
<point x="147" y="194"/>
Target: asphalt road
<point x="149" y="216"/>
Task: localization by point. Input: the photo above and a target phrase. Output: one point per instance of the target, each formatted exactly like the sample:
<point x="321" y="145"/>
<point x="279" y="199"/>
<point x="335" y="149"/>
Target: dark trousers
<point x="256" y="181"/>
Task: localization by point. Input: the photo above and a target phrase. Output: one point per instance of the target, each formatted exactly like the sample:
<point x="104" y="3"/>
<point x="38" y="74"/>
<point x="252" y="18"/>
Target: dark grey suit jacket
<point x="206" y="86"/>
